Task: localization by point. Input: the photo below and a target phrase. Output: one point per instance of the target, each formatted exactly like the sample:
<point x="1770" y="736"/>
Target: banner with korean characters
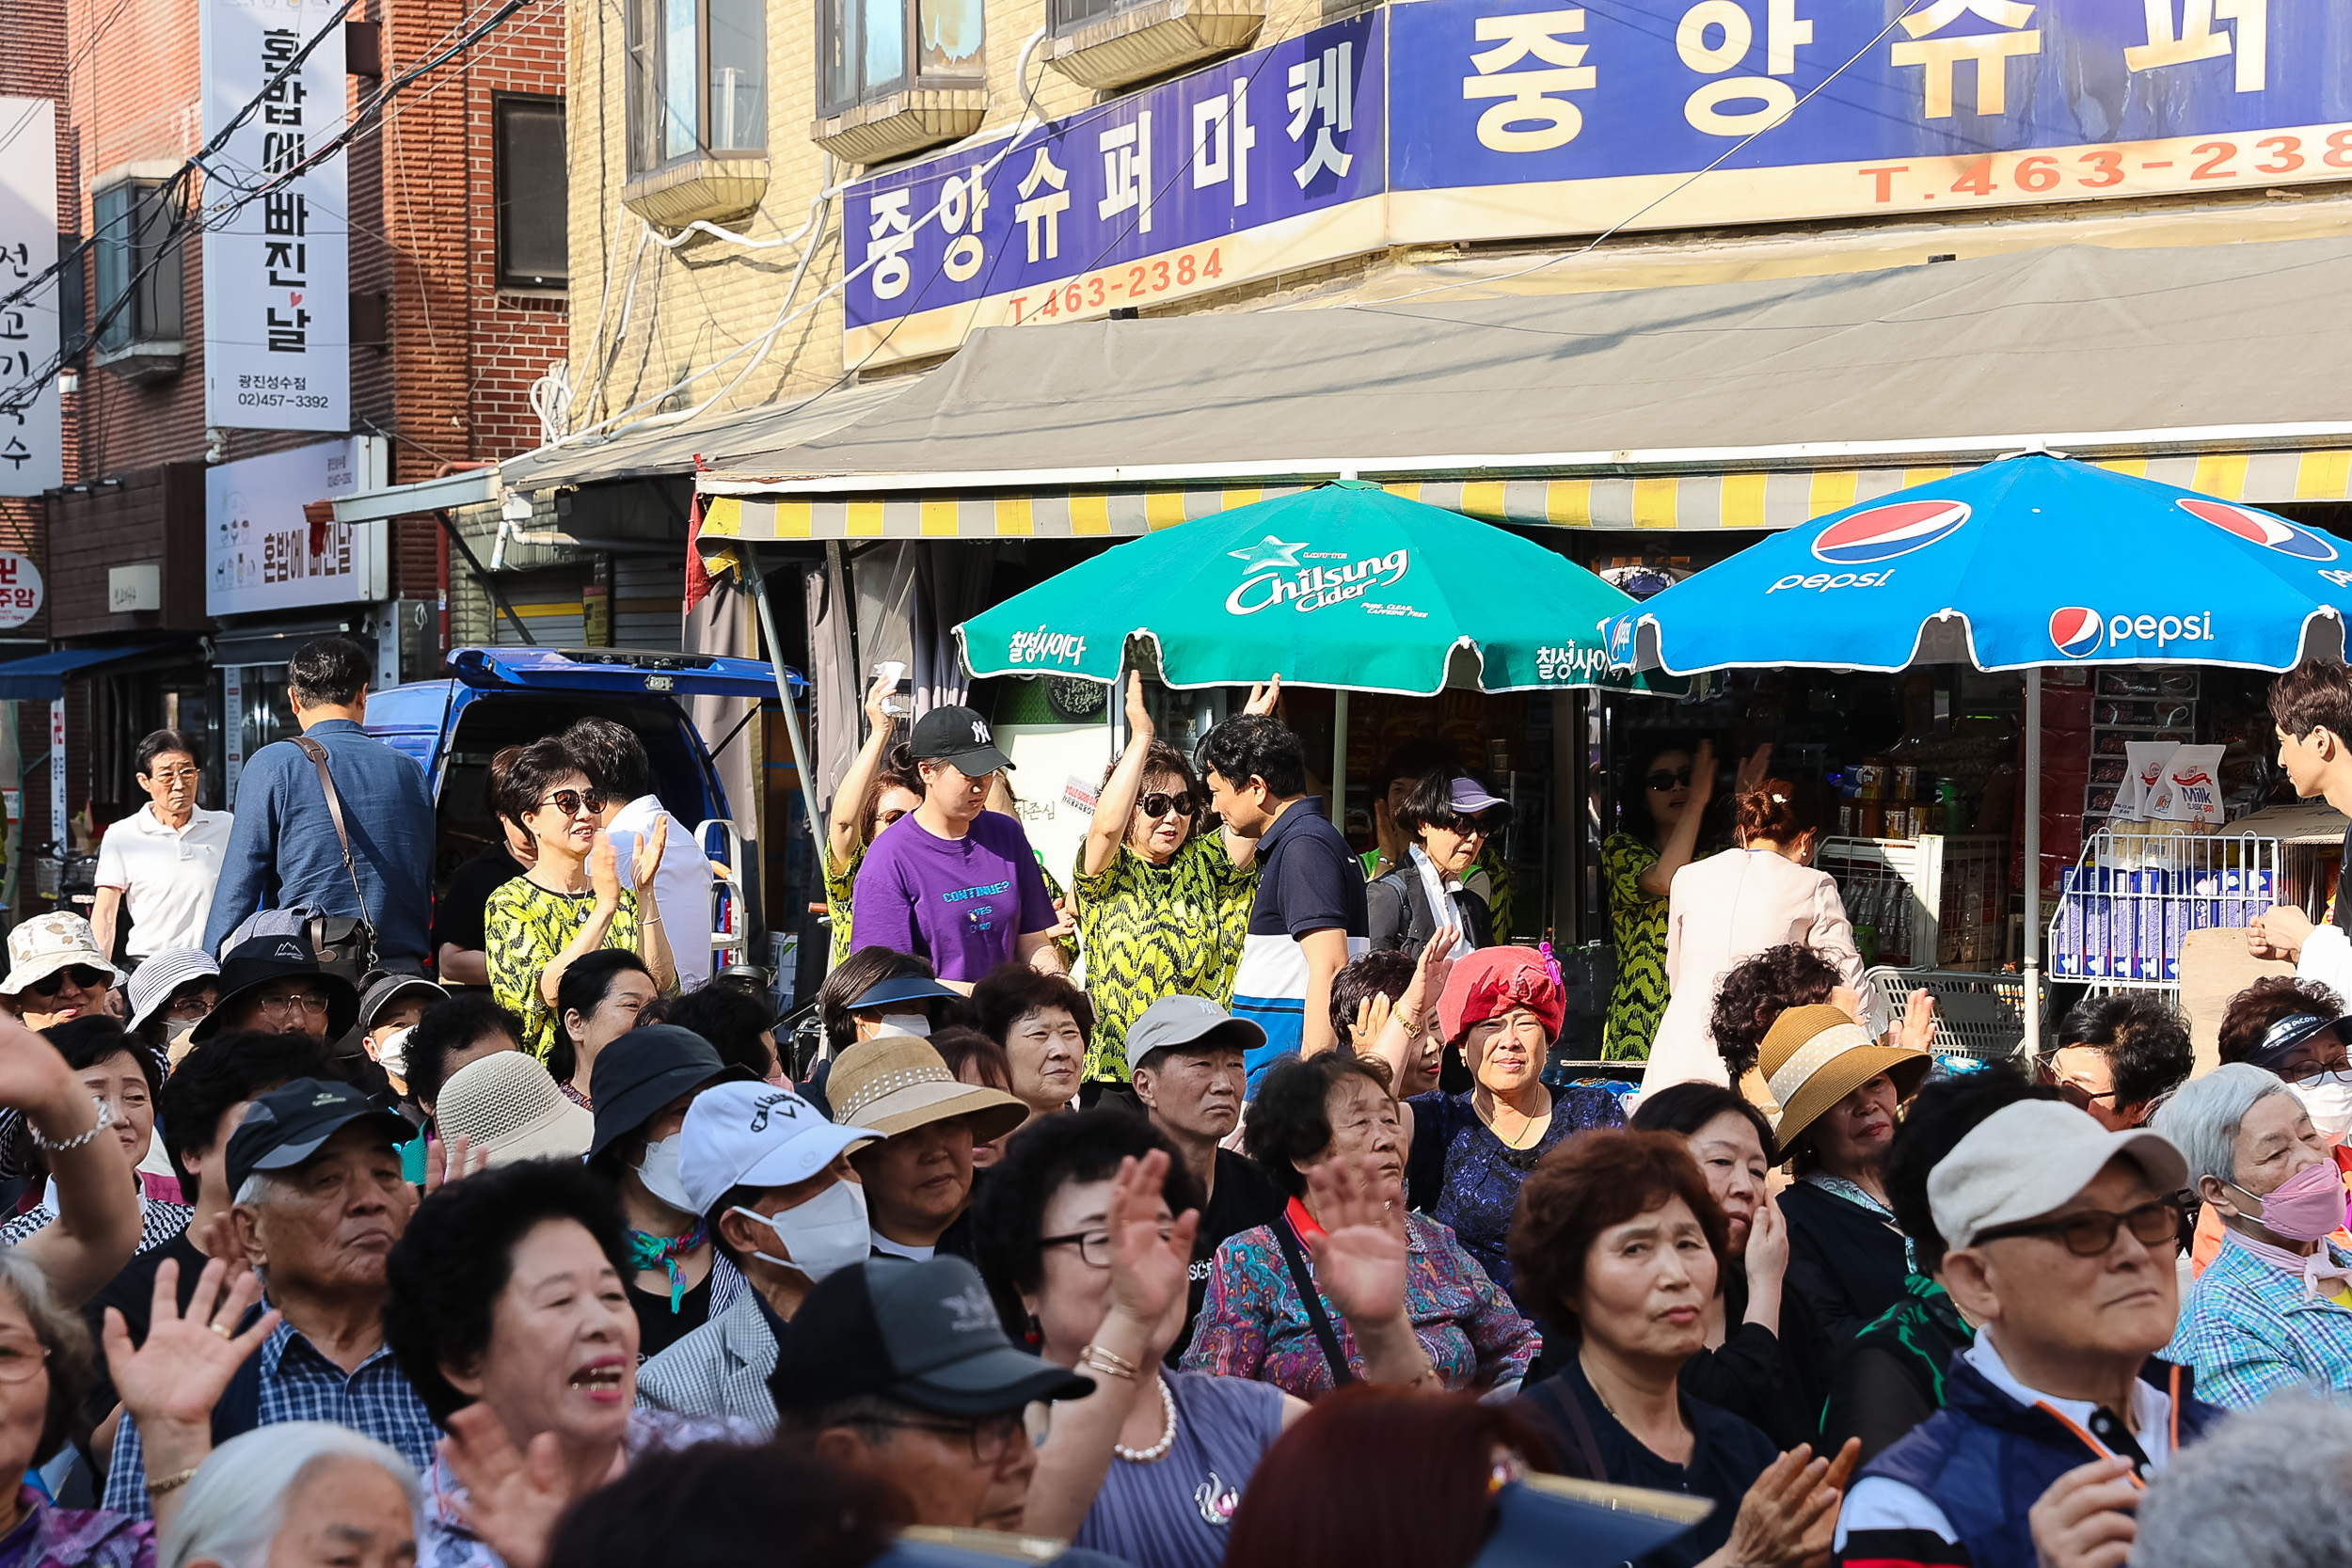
<point x="32" y="444"/>
<point x="1517" y="120"/>
<point x="271" y="540"/>
<point x="1265" y="162"/>
<point x="277" y="269"/>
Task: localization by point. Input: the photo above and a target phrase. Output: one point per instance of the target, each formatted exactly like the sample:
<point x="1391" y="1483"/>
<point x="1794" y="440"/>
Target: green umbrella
<point x="1342" y="586"/>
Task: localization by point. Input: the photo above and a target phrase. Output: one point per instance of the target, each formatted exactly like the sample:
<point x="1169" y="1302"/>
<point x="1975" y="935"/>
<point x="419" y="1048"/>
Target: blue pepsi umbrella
<point x="2025" y="562"/>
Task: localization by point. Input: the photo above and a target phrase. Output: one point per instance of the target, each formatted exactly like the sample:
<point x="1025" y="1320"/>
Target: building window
<point x="697" y="81"/>
<point x="138" y="266"/>
<point x="534" y="190"/>
<point x="1070" y="15"/>
<point x="864" y="46"/>
<point x="72" y="301"/>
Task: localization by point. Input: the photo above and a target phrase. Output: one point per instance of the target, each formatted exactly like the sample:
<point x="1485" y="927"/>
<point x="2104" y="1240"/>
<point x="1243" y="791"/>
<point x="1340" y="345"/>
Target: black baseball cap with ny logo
<point x="960" y="738"/>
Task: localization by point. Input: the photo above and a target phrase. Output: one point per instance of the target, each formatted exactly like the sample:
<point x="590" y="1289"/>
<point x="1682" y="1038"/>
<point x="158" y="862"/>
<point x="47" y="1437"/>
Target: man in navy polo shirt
<point x="1309" y="919"/>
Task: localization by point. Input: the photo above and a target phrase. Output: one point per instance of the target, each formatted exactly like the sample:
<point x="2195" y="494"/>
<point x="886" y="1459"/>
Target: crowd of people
<point x="1261" y="1240"/>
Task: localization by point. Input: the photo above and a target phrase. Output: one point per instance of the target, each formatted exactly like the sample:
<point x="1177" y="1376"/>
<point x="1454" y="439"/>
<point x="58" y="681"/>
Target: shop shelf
<point x="2126" y="906"/>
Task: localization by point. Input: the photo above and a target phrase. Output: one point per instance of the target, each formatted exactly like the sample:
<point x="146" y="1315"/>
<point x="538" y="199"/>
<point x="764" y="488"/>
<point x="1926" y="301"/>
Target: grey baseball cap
<point x="923" y="1334"/>
<point x="1187" y="1022"/>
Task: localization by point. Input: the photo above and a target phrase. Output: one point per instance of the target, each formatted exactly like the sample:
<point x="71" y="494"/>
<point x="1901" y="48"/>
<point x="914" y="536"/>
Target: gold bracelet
<point x="1109" y="1363"/>
<point x="171" y="1482"/>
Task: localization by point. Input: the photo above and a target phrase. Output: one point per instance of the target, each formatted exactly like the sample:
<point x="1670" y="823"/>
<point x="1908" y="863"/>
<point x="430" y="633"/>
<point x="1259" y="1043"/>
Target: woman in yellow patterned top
<point x="878" y="788"/>
<point x="571" y="902"/>
<point x="1162" y="909"/>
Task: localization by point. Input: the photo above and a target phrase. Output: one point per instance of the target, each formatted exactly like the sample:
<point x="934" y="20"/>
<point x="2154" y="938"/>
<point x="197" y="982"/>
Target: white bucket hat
<point x="43" y="946"/>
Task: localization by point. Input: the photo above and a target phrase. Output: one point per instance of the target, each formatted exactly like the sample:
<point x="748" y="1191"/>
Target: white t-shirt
<point x="167" y="876"/>
<point x="1880" y="1502"/>
<point x="681" y="886"/>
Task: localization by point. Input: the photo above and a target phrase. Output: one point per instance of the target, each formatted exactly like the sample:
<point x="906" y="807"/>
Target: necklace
<point x="1168" y="1437"/>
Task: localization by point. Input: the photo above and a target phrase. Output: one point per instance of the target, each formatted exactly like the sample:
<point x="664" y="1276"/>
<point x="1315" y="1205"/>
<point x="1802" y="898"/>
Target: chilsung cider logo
<point x="1276" y="575"/>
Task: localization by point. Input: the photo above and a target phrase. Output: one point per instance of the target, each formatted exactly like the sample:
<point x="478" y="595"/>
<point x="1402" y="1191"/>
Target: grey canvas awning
<point x="654" y="448"/>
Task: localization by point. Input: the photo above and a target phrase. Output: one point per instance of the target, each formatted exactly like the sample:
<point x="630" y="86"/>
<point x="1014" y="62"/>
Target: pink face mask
<point x="2308" y="1206"/>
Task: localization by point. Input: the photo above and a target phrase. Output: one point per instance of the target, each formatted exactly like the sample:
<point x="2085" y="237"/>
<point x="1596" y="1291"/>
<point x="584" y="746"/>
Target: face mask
<point x="660" y="1173"/>
<point x="2328" y="1100"/>
<point x="393" y="1054"/>
<point x="2309" y="1206"/>
<point x="906" y="1023"/>
<point x="824" y="1235"/>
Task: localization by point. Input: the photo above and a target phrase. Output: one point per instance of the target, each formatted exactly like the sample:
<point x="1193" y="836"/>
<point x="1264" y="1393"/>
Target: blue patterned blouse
<point x="1464" y="1177"/>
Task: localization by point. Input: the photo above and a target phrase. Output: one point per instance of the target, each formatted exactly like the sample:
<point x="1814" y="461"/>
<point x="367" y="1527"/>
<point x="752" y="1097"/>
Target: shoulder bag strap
<point x="1319" y="1320"/>
<point x="317" y="753"/>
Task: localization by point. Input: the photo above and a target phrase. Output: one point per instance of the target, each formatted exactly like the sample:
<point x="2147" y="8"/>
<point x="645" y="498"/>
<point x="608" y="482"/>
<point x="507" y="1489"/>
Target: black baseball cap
<point x="255" y="963"/>
<point x="959" y="737"/>
<point x="902" y="988"/>
<point x="644" y="1071"/>
<point x="289" y="1124"/>
<point x="922" y="1333"/>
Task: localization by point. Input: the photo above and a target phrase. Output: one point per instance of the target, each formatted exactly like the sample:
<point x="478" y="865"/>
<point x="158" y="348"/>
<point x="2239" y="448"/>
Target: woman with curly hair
<point x="1758" y="990"/>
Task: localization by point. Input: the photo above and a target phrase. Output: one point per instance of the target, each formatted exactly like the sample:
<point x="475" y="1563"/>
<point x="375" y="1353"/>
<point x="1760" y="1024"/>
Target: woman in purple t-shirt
<point x="951" y="881"/>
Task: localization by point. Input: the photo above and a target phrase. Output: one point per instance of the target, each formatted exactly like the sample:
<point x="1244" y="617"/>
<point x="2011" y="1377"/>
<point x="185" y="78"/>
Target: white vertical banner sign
<point x="277" y="267"/>
<point x="32" y="439"/>
<point x="59" y="834"/>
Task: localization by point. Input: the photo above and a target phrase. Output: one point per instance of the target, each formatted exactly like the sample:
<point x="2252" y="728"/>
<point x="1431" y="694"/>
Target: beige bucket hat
<point x="897" y="1083"/>
<point x="1813" y="1057"/>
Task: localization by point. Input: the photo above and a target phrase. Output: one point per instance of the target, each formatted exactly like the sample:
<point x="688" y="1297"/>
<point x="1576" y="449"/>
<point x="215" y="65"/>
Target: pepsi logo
<point x="2077" y="632"/>
<point x="2261" y="527"/>
<point x="1883" y="533"/>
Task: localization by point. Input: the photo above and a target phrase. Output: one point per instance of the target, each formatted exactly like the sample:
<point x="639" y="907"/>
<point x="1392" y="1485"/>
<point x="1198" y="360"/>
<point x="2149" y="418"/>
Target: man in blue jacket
<point x="2063" y="1242"/>
<point x="285" y="851"/>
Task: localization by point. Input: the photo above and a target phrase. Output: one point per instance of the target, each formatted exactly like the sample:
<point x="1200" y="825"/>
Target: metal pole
<point x="784" y="690"/>
<point x="2033" y="862"/>
<point x="1339" y="760"/>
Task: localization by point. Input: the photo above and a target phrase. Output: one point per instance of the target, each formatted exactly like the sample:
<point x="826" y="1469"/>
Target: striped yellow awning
<point x="1764" y="499"/>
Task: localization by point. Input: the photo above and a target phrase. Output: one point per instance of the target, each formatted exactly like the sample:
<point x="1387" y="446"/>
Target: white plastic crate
<point x="1976" y="1014"/>
<point x="1935" y="901"/>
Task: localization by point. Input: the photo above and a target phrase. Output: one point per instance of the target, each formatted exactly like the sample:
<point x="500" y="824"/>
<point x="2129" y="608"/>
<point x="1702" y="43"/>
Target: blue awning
<point x="43" y="677"/>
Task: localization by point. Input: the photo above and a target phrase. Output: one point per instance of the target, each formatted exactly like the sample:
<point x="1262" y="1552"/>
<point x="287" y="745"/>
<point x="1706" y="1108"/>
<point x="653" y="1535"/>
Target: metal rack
<point x="1978" y="1014"/>
<point x="1935" y="901"/>
<point x="2125" y="910"/>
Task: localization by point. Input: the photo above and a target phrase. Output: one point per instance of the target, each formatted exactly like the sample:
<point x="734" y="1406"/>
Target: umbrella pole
<point x="2033" y="862"/>
<point x="1339" y="760"/>
<point x="791" y="713"/>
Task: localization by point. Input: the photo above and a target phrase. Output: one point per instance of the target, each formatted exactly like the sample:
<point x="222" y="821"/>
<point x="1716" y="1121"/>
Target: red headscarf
<point x="1492" y="981"/>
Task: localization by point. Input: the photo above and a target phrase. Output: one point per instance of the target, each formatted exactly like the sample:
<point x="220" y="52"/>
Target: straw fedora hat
<point x="896" y="1083"/>
<point x="1813" y="1057"/>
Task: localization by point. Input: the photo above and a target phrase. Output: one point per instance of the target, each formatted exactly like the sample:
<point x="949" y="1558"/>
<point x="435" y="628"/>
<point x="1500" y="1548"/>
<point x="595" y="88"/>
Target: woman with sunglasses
<point x="1162" y="907"/>
<point x="883" y="785"/>
<point x="571" y="902"/>
<point x="1447" y="818"/>
<point x="1638" y="863"/>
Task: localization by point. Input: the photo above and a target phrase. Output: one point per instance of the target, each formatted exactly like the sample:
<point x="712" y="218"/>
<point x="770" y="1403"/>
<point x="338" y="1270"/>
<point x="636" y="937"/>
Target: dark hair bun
<point x="1776" y="810"/>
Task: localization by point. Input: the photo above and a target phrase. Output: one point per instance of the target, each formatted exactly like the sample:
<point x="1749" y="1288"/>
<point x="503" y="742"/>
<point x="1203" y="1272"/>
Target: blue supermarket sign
<point x="1435" y="121"/>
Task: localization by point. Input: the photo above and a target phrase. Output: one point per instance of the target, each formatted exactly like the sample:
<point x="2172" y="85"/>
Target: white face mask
<point x="660" y="1173"/>
<point x="824" y="1235"/>
<point x="391" y="1054"/>
<point x="2328" y="1101"/>
<point x="906" y="1023"/>
<point x="178" y="1029"/>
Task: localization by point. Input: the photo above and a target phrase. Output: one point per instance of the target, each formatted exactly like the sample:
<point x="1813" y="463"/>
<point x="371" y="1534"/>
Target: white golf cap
<point x="756" y="1135"/>
<point x="2031" y="1159"/>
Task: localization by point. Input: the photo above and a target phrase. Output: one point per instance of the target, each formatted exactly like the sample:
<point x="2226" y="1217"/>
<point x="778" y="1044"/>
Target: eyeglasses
<point x="1095" y="1246"/>
<point x="82" y="976"/>
<point x="882" y="818"/>
<point x="19" y="1359"/>
<point x="1157" y="804"/>
<point x="2090" y="1232"/>
<point x="1669" y="778"/>
<point x="1481" y="825"/>
<point x="285" y="1006"/>
<point x="174" y="775"/>
<point x="571" y="803"/>
<point x="989" y="1438"/>
<point x="191" y="1002"/>
<point x="2073" y="1094"/>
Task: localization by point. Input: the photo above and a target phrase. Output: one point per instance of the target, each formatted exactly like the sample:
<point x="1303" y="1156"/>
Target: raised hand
<point x="447" y="1161"/>
<point x="1150" y="1274"/>
<point x="1262" y="698"/>
<point x="1751" y="774"/>
<point x="1702" y="776"/>
<point x="646" y="859"/>
<point x="604" y="877"/>
<point x="1916" y="1032"/>
<point x="175" y="1377"/>
<point x="876" y="706"/>
<point x="1138" y="715"/>
<point x="1360" y="1257"/>
<point x="34" y="1078"/>
<point x="1430" y="972"/>
<point x="1788" y="1518"/>
<point x="1767" y="1257"/>
<point x="513" y="1496"/>
<point x="1372" y="1017"/>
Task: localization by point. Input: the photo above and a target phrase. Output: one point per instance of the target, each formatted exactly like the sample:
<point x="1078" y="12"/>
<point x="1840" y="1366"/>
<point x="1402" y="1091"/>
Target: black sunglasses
<point x="2089" y="1233"/>
<point x="1467" y="827"/>
<point x="1669" y="778"/>
<point x="1157" y="804"/>
<point x="569" y="802"/>
<point x="81" y="975"/>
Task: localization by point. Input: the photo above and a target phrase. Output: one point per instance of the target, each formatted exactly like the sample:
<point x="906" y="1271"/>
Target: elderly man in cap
<point x="2062" y="1244"/>
<point x="275" y="985"/>
<point x="772" y="1180"/>
<point x="55" y="970"/>
<point x="319" y="1200"/>
<point x="1187" y="1055"/>
<point x="904" y="1366"/>
<point x="918" y="1178"/>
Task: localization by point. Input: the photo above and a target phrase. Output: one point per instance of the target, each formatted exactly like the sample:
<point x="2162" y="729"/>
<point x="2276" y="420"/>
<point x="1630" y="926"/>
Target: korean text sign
<point x="268" y="546"/>
<point x="277" y="269"/>
<point x="1476" y="119"/>
<point x="32" y="448"/>
<point x="1260" y="163"/>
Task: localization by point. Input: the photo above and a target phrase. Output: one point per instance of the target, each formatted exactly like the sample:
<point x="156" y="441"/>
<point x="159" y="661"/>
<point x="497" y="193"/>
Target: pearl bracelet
<point x="105" y="1120"/>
